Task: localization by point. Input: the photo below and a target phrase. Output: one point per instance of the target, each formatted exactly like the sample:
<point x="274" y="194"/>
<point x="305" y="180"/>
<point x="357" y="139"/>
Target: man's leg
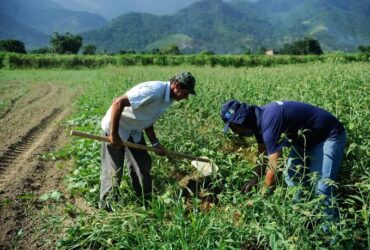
<point x="112" y="160"/>
<point x="326" y="160"/>
<point x="295" y="170"/>
<point x="295" y="167"/>
<point x="139" y="164"/>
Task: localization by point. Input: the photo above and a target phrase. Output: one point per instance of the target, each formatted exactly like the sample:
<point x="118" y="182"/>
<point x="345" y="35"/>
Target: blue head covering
<point x="235" y="112"/>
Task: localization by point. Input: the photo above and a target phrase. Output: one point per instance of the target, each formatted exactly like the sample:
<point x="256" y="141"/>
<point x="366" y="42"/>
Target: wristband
<point x="155" y="144"/>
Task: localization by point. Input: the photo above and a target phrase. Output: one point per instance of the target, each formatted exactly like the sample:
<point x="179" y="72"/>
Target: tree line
<point x="72" y="44"/>
<point x="59" y="44"/>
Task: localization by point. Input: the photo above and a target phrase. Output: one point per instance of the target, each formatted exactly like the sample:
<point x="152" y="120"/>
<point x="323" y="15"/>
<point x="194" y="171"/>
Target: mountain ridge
<point x="12" y="29"/>
<point x="237" y="26"/>
<point x="233" y="26"/>
<point x="42" y="17"/>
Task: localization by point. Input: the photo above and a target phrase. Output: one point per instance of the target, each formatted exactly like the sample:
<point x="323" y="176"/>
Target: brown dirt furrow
<point x="43" y="90"/>
<point x="27" y="111"/>
<point x="28" y="98"/>
<point x="12" y="102"/>
<point x="10" y="91"/>
<point x="24" y="146"/>
<point x="29" y="129"/>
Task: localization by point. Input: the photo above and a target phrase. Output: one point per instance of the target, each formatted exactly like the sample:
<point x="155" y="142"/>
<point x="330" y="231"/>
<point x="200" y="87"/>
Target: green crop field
<point x="227" y="219"/>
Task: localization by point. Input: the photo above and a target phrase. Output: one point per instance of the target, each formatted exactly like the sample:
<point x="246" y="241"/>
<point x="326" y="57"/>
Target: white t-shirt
<point x="148" y="101"/>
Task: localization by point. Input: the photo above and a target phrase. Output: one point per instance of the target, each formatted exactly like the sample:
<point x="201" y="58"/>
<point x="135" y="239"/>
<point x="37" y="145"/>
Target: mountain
<point x="223" y="27"/>
<point x="61" y="20"/>
<point x="113" y="8"/>
<point x="337" y="24"/>
<point x="229" y="26"/>
<point x="239" y="25"/>
<point x="12" y="29"/>
<point x="208" y="25"/>
<point x="130" y="31"/>
<point x="46" y="16"/>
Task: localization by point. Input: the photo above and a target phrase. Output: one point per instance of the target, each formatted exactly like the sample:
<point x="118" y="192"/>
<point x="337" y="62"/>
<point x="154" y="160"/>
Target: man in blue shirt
<point x="316" y="138"/>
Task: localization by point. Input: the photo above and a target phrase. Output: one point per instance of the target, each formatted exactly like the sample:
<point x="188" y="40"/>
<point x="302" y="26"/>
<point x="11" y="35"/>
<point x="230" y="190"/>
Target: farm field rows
<point x="222" y="219"/>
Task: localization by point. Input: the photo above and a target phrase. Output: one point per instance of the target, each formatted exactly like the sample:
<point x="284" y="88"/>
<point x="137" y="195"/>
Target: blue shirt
<point x="288" y="117"/>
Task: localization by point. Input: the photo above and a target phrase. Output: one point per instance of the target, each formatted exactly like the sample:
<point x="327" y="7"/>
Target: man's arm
<point x="117" y="107"/>
<point x="153" y="139"/>
<point x="270" y="174"/>
<point x="259" y="170"/>
<point x="151" y="135"/>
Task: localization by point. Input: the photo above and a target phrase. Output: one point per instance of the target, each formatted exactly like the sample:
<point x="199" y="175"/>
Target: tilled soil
<point x="29" y="128"/>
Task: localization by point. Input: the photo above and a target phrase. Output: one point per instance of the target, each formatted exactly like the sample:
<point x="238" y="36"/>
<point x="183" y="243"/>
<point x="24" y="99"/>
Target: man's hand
<point x="159" y="149"/>
<point x="249" y="185"/>
<point x="115" y="140"/>
<point x="265" y="191"/>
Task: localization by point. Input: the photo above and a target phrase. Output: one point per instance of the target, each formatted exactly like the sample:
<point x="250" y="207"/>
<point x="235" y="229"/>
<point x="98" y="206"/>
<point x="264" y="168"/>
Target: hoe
<point x="202" y="164"/>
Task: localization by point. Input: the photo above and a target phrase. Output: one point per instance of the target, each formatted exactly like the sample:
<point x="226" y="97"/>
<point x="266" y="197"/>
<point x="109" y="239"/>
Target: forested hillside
<point x="237" y="26"/>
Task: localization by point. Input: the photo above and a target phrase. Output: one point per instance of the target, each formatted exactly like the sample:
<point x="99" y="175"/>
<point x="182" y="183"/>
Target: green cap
<point x="188" y="80"/>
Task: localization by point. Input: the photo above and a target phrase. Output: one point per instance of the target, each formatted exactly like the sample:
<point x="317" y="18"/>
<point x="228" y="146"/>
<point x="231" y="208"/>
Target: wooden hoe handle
<point x="137" y="146"/>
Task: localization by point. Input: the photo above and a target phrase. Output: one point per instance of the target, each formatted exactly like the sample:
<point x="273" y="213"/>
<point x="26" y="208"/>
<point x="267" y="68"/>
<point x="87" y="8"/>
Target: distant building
<point x="269" y="52"/>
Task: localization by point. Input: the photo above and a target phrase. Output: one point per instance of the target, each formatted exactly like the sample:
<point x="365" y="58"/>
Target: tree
<point x="12" y="46"/>
<point x="65" y="44"/>
<point x="155" y="51"/>
<point x="364" y="49"/>
<point x="43" y="50"/>
<point x="122" y="52"/>
<point x="313" y="46"/>
<point x="303" y="47"/>
<point x="247" y="52"/>
<point x="171" y="50"/>
<point x="89" y="49"/>
<point x="206" y="53"/>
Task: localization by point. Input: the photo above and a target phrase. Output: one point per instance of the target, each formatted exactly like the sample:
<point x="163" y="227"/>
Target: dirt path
<point x="29" y="128"/>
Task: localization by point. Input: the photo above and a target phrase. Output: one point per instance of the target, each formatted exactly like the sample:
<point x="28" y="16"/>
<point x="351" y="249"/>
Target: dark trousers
<point x="139" y="166"/>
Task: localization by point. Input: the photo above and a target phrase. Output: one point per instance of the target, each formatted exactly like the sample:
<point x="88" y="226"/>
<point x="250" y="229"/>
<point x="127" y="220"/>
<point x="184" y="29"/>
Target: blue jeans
<point x="324" y="159"/>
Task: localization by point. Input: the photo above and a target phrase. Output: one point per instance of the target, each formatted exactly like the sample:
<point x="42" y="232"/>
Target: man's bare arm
<point x="258" y="171"/>
<point x="270" y="174"/>
<point x="117" y="108"/>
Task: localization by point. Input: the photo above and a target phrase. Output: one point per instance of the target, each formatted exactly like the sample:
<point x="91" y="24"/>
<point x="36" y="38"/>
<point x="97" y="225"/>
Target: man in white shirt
<point x="129" y="115"/>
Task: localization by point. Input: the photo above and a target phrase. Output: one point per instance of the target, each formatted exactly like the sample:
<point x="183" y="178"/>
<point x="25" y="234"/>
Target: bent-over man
<point x="308" y="130"/>
<point x="129" y="115"/>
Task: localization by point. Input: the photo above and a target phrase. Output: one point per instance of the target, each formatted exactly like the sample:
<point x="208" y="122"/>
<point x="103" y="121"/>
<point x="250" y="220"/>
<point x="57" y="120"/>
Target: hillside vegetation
<point x="237" y="26"/>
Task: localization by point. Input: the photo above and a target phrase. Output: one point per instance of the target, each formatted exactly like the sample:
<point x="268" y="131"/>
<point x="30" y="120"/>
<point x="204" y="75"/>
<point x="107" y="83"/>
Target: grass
<point x="231" y="220"/>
